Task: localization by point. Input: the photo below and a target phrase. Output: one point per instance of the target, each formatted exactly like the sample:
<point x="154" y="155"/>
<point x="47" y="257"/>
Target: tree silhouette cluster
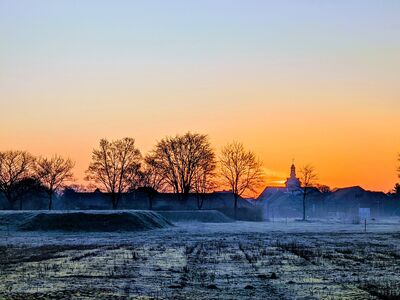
<point x="182" y="164"/>
<point x="21" y="173"/>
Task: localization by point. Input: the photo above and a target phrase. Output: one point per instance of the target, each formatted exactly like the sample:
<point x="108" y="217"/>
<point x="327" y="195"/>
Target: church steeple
<point x="293" y="171"/>
<point x="293" y="183"/>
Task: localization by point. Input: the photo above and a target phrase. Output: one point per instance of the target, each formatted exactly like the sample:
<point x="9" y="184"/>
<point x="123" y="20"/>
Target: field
<point x="240" y="260"/>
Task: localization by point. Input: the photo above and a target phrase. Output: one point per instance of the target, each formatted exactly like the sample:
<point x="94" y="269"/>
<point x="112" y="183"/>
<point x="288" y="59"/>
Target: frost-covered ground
<point x="240" y="260"/>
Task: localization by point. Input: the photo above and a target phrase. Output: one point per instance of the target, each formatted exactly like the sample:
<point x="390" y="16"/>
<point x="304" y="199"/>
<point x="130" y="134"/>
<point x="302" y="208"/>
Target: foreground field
<point x="205" y="261"/>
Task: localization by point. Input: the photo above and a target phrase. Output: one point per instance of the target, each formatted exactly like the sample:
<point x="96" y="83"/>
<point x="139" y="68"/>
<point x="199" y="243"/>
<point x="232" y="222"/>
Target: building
<point x="292" y="183"/>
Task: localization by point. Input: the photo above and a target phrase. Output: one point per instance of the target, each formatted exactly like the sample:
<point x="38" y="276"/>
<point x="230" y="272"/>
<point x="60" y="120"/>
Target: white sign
<point x="364" y="213"/>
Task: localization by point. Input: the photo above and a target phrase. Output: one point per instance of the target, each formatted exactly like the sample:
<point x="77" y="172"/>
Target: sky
<point x="314" y="81"/>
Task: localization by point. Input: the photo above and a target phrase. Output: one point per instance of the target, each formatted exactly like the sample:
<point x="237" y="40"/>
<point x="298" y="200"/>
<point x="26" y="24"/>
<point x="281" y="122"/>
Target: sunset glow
<point x="313" y="81"/>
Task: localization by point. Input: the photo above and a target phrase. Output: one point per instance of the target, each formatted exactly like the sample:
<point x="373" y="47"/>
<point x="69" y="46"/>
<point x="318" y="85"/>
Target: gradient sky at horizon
<point x="317" y="81"/>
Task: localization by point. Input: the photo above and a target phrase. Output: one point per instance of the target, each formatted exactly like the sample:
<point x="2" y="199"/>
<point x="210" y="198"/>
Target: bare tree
<point x="152" y="178"/>
<point x="53" y="173"/>
<point x="308" y="179"/>
<point x="204" y="182"/>
<point x="178" y="159"/>
<point x="115" y="166"/>
<point x="151" y="182"/>
<point x="240" y="170"/>
<point x="398" y="168"/>
<point x="28" y="188"/>
<point x="15" y="167"/>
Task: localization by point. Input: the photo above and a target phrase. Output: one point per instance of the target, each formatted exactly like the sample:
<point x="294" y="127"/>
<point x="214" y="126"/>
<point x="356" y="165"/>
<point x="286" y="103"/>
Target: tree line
<point x="21" y="173"/>
<point x="181" y="164"/>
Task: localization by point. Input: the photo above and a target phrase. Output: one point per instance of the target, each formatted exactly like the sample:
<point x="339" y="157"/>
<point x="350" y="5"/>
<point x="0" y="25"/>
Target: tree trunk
<point x="235" y="205"/>
<point x="200" y="201"/>
<point x="9" y="197"/>
<point x="304" y="203"/>
<point x="185" y="196"/>
<point x="50" y="200"/>
<point x="114" y="198"/>
<point x="20" y="203"/>
<point x="150" y="201"/>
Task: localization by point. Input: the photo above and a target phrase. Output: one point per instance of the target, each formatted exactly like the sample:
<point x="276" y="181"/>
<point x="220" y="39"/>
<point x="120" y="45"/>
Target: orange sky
<point x="290" y="82"/>
<point x="349" y="142"/>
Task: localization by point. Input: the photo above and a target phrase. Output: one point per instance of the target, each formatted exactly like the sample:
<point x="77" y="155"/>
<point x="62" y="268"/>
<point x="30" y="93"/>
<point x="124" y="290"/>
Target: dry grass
<point x="274" y="265"/>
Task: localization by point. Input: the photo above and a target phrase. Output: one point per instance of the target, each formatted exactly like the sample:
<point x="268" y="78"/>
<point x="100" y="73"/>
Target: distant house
<point x="343" y="203"/>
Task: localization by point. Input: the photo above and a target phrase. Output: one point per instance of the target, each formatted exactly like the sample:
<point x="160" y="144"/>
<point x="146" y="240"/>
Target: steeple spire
<point x="293" y="183"/>
<point x="293" y="171"/>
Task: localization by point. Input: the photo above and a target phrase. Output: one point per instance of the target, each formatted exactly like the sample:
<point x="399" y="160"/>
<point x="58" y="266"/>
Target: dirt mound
<point x="95" y="221"/>
<point x="12" y="219"/>
<point x="204" y="216"/>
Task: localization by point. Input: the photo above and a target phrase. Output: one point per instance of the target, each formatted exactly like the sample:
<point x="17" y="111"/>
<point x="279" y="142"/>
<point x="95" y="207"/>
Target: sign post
<point x="364" y="213"/>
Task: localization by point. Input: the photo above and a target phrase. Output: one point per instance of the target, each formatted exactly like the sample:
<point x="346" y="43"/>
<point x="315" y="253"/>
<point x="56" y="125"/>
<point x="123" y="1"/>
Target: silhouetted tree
<point x="178" y="159"/>
<point x="396" y="189"/>
<point x="136" y="179"/>
<point x="398" y="168"/>
<point x="307" y="179"/>
<point x="151" y="180"/>
<point x="204" y="182"/>
<point x="29" y="187"/>
<point x="53" y="173"/>
<point x="15" y="166"/>
<point x="240" y="170"/>
<point x="115" y="165"/>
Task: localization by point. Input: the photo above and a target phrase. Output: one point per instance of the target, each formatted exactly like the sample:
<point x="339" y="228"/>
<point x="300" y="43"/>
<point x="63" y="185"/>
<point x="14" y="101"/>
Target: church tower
<point x="292" y="183"/>
<point x="293" y="171"/>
